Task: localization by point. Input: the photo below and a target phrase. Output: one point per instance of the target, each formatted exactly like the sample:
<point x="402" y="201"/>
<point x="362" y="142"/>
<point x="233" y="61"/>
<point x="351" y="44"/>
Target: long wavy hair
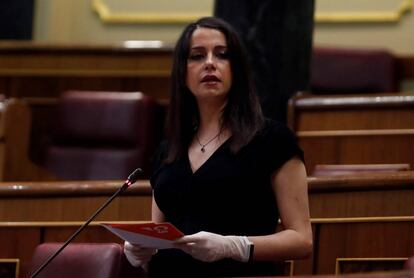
<point x="242" y="114"/>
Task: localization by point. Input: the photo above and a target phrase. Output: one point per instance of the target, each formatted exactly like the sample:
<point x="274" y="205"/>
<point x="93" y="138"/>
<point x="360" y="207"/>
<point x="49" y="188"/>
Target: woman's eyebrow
<point x="197" y="47"/>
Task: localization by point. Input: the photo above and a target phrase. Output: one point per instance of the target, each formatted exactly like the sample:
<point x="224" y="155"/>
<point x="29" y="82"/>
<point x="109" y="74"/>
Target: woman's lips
<point x="210" y="79"/>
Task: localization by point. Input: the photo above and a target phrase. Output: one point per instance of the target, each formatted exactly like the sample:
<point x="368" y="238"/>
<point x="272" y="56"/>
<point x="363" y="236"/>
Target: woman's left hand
<point x="210" y="247"/>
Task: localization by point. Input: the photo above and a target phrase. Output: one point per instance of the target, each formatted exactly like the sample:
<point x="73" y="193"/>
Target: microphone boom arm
<point x="130" y="180"/>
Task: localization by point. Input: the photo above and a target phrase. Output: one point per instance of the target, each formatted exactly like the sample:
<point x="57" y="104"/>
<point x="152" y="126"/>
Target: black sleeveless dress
<point x="230" y="194"/>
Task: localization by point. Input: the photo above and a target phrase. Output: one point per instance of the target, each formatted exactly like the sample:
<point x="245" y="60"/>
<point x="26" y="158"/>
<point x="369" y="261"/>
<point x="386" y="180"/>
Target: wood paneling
<point x="357" y="149"/>
<point x="354" y="129"/>
<point x="363" y="195"/>
<point x="73" y="201"/>
<point x="19" y="243"/>
<point x="362" y="238"/>
<point x="45" y="70"/>
<point x="334" y="238"/>
<point x="15" y="121"/>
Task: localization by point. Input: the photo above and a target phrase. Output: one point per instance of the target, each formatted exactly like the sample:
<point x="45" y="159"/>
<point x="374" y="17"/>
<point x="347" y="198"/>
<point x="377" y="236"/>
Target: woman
<point x="226" y="175"/>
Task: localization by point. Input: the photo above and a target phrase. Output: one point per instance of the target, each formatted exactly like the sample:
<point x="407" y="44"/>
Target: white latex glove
<point x="210" y="247"/>
<point x="137" y="255"/>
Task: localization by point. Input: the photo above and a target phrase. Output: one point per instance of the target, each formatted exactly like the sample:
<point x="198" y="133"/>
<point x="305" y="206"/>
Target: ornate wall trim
<point x="394" y="15"/>
<point x="109" y="16"/>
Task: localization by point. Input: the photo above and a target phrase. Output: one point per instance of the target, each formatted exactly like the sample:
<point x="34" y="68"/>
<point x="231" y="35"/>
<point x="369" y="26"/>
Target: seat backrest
<point x="342" y="70"/>
<point x="102" y="135"/>
<point x="84" y="260"/>
<point x="79" y="260"/>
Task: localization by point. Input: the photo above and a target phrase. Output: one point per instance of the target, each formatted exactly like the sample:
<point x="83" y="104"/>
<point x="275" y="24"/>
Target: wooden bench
<point x="370" y="241"/>
<point x="363" y="195"/>
<point x="354" y="129"/>
<point x="345" y="211"/>
<point x="373" y="242"/>
<point x="73" y="201"/>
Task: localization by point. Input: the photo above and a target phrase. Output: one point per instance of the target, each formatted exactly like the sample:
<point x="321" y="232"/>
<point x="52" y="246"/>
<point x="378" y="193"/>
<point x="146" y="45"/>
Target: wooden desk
<point x="376" y="238"/>
<point x="73" y="201"/>
<point x="364" y="195"/>
<point x="354" y="129"/>
<point x="29" y="69"/>
<point x="372" y="237"/>
<point x="34" y="212"/>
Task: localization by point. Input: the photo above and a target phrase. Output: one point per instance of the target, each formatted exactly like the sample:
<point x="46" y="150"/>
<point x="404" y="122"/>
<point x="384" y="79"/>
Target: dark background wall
<point x="16" y="19"/>
<point x="278" y="37"/>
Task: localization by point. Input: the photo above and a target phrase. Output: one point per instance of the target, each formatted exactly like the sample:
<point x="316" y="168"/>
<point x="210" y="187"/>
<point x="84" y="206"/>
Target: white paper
<point x="143" y="240"/>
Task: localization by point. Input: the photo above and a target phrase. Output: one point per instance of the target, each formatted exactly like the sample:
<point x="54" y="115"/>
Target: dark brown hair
<point x="242" y="114"/>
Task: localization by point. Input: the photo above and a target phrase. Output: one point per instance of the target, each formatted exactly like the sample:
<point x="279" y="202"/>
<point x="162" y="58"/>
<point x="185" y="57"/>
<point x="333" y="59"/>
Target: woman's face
<point x="208" y="66"/>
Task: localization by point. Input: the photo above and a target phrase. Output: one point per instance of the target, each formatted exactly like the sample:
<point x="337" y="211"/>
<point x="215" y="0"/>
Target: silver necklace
<point x="203" y="146"/>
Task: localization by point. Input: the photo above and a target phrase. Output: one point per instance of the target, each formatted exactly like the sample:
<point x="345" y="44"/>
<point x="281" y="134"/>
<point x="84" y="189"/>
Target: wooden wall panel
<point x="73" y="201"/>
<point x="353" y="148"/>
<point x="19" y="243"/>
<point x="362" y="203"/>
<point x="74" y="208"/>
<point x="36" y="70"/>
<point x="15" y="124"/>
<point x="369" y="238"/>
<point x="364" y="195"/>
<point x="354" y="129"/>
<point x="334" y="238"/>
<point x="93" y="233"/>
<point x="356" y="118"/>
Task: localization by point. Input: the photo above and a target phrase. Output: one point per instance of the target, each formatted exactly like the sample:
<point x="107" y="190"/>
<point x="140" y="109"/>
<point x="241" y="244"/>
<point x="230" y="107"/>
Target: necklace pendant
<point x="203" y="150"/>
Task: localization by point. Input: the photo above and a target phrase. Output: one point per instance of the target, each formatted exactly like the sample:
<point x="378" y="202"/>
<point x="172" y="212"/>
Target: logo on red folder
<point x="159" y="230"/>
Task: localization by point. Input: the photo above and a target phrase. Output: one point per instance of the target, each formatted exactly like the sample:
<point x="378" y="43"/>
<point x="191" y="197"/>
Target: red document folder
<point x="154" y="235"/>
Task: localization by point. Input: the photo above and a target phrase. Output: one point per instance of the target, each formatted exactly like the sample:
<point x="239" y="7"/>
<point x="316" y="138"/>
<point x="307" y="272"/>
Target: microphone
<point x="132" y="178"/>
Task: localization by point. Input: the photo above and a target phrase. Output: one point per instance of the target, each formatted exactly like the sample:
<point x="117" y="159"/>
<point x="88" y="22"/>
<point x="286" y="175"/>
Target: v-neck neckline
<point x="194" y="172"/>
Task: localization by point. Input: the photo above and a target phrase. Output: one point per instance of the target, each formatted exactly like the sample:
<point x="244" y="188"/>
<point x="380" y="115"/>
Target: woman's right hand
<point x="137" y="255"/>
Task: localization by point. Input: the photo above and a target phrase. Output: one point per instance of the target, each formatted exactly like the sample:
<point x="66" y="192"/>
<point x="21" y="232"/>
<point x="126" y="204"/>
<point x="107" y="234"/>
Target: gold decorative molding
<point x="108" y="16"/>
<point x="364" y="16"/>
<point x="153" y="17"/>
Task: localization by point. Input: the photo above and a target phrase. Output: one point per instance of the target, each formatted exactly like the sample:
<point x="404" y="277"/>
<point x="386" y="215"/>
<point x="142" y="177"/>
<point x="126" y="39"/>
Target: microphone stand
<point x="132" y="178"/>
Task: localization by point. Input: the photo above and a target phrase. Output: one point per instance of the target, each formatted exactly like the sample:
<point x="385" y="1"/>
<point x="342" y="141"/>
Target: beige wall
<point x="396" y="36"/>
<point x="384" y="31"/>
<point x="76" y="21"/>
